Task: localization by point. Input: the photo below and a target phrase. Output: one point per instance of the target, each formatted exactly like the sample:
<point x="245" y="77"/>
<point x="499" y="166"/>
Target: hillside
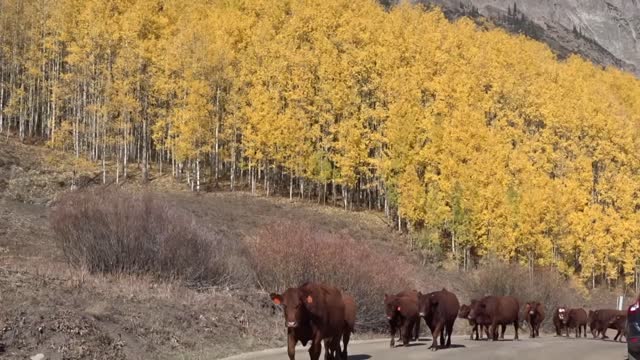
<point x="606" y="32"/>
<point x="52" y="308"/>
<point x="476" y="141"/>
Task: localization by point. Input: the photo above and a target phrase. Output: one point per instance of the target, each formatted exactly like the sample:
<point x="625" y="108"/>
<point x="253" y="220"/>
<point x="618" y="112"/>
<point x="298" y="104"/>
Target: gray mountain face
<point x="605" y="31"/>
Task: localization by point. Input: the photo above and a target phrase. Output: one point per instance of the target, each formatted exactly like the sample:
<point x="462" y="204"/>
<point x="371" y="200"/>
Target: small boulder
<point x="38" y="357"/>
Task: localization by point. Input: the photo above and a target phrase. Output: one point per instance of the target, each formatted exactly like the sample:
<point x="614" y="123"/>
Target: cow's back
<point x="578" y="317"/>
<point x="603" y="316"/>
<point x="448" y="304"/>
<point x="507" y="309"/>
<point x="412" y="295"/>
<point x="327" y="308"/>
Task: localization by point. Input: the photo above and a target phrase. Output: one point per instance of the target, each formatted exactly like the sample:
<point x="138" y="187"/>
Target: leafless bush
<point x="120" y="232"/>
<point x="547" y="286"/>
<point x="286" y="255"/>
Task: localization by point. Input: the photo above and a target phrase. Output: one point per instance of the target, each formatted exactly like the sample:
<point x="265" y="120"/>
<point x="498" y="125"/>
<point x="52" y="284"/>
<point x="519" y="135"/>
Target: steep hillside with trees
<point x="482" y="141"/>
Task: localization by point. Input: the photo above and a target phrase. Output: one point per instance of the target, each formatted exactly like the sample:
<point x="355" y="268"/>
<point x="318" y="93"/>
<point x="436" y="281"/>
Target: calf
<point x="463" y="313"/>
<point x="439" y="309"/>
<point x="313" y="312"/>
<point x="619" y="323"/>
<point x="500" y="310"/>
<point x="402" y="313"/>
<point x="576" y="318"/>
<point x="534" y="314"/>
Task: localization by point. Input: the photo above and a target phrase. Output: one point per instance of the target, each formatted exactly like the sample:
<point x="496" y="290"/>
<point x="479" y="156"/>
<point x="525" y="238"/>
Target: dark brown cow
<point x="534" y="314"/>
<point x="313" y="312"/>
<point x="576" y="319"/>
<point x="402" y="313"/>
<point x="558" y="317"/>
<point x="439" y="309"/>
<point x="463" y="313"/>
<point x="501" y="310"/>
<point x="413" y="295"/>
<point x="599" y="321"/>
<point x="619" y="323"/>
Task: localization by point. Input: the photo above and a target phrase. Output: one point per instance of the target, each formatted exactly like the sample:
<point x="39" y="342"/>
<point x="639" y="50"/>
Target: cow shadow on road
<point x="359" y="357"/>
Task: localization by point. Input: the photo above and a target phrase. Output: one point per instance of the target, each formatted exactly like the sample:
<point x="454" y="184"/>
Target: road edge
<point x="281" y="349"/>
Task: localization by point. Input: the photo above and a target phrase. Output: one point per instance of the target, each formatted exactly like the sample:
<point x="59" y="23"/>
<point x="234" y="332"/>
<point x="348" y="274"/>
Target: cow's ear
<point x="309" y="299"/>
<point x="277" y="299"/>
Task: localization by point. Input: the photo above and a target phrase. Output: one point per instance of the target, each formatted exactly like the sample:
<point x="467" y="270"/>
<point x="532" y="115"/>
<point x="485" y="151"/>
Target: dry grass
<point x="121" y="232"/>
<point x="287" y="254"/>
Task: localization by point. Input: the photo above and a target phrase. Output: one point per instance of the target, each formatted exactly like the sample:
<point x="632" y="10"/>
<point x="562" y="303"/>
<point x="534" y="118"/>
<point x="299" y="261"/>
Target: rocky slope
<point x="604" y="31"/>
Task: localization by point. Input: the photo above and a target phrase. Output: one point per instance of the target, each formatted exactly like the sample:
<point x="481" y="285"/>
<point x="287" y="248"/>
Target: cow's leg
<point x="443" y="334"/>
<point x="604" y="334"/>
<point x="486" y="331"/>
<point x="516" y="326"/>
<point x="474" y="329"/>
<point x="437" y="332"/>
<point x="392" y="329"/>
<point x="532" y="333"/>
<point x="345" y="341"/>
<point x="449" y="332"/>
<point x="493" y="330"/>
<point x="291" y="346"/>
<point x="504" y="330"/>
<point x="406" y="330"/>
<point x="416" y="335"/>
<point x="316" y="347"/>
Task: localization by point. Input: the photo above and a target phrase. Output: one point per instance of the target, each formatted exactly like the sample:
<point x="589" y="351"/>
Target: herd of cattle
<point x="320" y="313"/>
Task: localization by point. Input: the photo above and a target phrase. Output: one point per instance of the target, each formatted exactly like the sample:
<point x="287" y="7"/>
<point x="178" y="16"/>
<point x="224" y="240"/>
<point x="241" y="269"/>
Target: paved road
<point x="545" y="348"/>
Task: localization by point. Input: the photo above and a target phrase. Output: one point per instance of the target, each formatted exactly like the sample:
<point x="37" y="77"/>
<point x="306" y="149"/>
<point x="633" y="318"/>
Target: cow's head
<point x="463" y="313"/>
<point x="562" y="314"/>
<point x="478" y="308"/>
<point x="532" y="307"/>
<point x="426" y="304"/>
<point x="391" y="306"/>
<point x="293" y="302"/>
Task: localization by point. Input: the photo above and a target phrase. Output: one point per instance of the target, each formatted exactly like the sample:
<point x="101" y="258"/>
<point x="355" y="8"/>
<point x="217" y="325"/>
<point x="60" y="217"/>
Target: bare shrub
<point x="548" y="286"/>
<point x="286" y="255"/>
<point x="120" y="232"/>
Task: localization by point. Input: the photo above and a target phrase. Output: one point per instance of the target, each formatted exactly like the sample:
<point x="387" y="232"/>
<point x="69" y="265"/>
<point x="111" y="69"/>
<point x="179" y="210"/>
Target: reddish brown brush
<point x="286" y="254"/>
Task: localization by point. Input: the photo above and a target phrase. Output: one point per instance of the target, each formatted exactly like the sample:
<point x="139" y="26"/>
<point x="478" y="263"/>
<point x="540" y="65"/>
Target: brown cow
<point x="463" y="313"/>
<point x="313" y="312"/>
<point x="619" y="323"/>
<point x="599" y="321"/>
<point x="501" y="310"/>
<point x="576" y="318"/>
<point x="402" y="313"/>
<point x="558" y="317"/>
<point x="534" y="314"/>
<point x="439" y="309"/>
